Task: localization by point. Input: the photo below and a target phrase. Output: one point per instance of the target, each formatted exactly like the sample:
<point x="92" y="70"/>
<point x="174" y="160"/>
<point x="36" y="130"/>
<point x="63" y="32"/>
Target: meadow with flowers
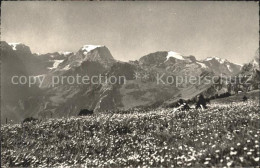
<point x="225" y="134"/>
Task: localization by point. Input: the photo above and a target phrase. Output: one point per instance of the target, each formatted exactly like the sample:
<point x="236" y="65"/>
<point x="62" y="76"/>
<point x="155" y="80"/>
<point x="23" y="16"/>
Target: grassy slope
<point x="223" y="135"/>
<point x="255" y="94"/>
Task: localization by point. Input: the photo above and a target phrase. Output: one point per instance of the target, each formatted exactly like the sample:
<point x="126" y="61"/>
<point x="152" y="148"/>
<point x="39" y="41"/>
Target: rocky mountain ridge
<point x="140" y="85"/>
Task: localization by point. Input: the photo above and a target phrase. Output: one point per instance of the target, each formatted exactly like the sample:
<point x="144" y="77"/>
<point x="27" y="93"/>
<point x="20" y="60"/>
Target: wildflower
<point x="229" y="163"/>
<point x="249" y="153"/>
<point x="238" y="144"/>
<point x="256" y="159"/>
<point x="179" y="162"/>
<point x="233" y="153"/>
<point x="206" y="162"/>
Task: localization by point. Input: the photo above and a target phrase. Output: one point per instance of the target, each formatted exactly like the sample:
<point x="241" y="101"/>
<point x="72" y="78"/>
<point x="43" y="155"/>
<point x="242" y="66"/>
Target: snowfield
<point x="174" y="55"/>
<point x="88" y="48"/>
<point x="202" y="64"/>
<point x="66" y="53"/>
<point x="56" y="64"/>
<point x="13" y="45"/>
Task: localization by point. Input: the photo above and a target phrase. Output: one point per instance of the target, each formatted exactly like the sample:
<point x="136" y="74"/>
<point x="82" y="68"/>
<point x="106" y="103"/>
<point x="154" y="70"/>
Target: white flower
<point x="206" y="162"/>
<point x="256" y="159"/>
<point x="233" y="153"/>
<point x="229" y="163"/>
<point x="179" y="162"/>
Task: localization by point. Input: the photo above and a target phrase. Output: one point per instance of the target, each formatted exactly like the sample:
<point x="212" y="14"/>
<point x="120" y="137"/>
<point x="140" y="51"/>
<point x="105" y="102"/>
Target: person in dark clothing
<point x="180" y="102"/>
<point x="201" y="103"/>
<point x="185" y="106"/>
<point x="29" y="119"/>
<point x="244" y="98"/>
<point x="182" y="105"/>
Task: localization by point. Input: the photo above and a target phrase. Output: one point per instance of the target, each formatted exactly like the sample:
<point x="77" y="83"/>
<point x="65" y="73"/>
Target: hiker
<point x="244" y="98"/>
<point x="201" y="103"/>
<point x="182" y="105"/>
<point x="30" y="119"/>
<point x="180" y="102"/>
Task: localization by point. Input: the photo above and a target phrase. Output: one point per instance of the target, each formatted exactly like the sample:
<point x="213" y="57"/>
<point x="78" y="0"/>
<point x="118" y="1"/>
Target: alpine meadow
<point x="130" y="84"/>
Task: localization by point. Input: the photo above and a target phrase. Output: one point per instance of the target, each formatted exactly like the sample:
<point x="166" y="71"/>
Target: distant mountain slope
<point x="153" y="80"/>
<point x="13" y="94"/>
<point x="251" y="73"/>
<point x="218" y="66"/>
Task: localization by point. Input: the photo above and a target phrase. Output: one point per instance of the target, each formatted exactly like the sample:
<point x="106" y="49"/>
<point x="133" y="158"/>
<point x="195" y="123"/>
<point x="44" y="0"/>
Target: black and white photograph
<point x="130" y="84"/>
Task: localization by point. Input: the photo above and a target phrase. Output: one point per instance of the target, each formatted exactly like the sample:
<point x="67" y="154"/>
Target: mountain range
<point x="139" y="89"/>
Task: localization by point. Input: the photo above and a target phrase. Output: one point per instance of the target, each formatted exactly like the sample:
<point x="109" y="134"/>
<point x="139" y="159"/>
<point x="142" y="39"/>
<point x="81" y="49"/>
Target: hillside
<point x="156" y="79"/>
<point x="238" y="97"/>
<point x="223" y="135"/>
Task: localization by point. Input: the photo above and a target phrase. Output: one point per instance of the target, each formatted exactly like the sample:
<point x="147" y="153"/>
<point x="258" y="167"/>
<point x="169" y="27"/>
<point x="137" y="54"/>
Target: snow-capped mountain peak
<point x="238" y="64"/>
<point x="66" y="53"/>
<point x="88" y="48"/>
<point x="220" y="65"/>
<point x="174" y="55"/>
<point x="20" y="47"/>
<point x="209" y="58"/>
<point x="201" y="64"/>
<point x="13" y="45"/>
<point x="220" y="60"/>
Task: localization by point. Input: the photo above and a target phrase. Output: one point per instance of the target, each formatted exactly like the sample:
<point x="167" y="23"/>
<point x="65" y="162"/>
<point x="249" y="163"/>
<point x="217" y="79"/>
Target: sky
<point x="133" y="29"/>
